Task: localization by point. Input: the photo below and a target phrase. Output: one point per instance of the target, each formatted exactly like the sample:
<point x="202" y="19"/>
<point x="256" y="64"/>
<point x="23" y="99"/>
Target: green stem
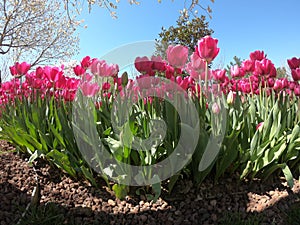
<point x="206" y="76"/>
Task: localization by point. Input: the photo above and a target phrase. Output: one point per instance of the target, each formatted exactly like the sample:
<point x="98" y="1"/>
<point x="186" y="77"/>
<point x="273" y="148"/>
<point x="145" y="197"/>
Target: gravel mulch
<point x="80" y="203"/>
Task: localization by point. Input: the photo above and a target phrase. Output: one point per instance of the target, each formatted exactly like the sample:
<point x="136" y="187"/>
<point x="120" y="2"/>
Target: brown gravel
<point x="83" y="204"/>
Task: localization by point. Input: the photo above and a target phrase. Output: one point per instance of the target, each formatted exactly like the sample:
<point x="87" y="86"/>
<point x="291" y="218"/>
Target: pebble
<point x="105" y="210"/>
<point x="111" y="202"/>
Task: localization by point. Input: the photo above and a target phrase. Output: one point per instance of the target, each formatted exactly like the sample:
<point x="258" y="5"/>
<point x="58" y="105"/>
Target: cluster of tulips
<point x="256" y="139"/>
<point x="255" y="75"/>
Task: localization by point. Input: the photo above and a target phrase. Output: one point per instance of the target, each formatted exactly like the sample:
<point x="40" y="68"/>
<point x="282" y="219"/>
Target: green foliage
<point x="186" y="32"/>
<point x="43" y="129"/>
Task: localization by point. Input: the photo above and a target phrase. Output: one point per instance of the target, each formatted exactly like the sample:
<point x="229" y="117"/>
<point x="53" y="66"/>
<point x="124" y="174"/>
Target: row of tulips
<point x="254" y="114"/>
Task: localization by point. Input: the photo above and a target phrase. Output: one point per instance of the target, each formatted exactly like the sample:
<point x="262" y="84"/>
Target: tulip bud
<point x="230" y="98"/>
<point x="124" y="79"/>
<point x="215" y="108"/>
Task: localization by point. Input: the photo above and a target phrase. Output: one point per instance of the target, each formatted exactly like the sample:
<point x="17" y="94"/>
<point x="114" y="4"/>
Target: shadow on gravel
<point x="182" y="210"/>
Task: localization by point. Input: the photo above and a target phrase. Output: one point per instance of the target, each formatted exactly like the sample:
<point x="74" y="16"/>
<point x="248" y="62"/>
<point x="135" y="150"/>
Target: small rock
<point x="213" y="203"/>
<point x="214" y="217"/>
<point x="178" y="213"/>
<point x="111" y="202"/>
<point x="143" y="218"/>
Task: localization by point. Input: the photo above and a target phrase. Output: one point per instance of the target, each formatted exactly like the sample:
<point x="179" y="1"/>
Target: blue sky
<point x="240" y="26"/>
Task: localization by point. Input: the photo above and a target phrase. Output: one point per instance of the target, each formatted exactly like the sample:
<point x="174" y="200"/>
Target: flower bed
<point x="177" y="118"/>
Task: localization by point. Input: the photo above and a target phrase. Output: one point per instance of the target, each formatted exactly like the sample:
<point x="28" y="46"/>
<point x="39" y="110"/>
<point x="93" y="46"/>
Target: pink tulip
<point x="103" y="69"/>
<point x="177" y="55"/>
<point x="257" y="55"/>
<point x="79" y="70"/>
<point x="158" y="63"/>
<point x="219" y="75"/>
<point x="207" y="48"/>
<point x="69" y="95"/>
<point x="292" y="85"/>
<point x="39" y="72"/>
<point x="294" y="63"/>
<point x="248" y="65"/>
<point x="72" y="83"/>
<point x="89" y="89"/>
<point x="297" y="90"/>
<point x="296" y="74"/>
<point x="196" y="68"/>
<point x="170" y="72"/>
<point x="144" y="65"/>
<point x="215" y="108"/>
<point x="237" y="71"/>
<point x="106" y="86"/>
<point x="265" y="67"/>
<point x="86" y="62"/>
<point x="259" y="126"/>
<point x="280" y="84"/>
<point x="13" y="70"/>
<point x="271" y="82"/>
<point x="53" y="74"/>
<point x="22" y="68"/>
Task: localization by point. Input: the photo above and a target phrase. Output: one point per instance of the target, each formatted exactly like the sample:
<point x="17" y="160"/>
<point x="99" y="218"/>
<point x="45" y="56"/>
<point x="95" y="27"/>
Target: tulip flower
<point x="293" y="63"/>
<point x="22" y="68"/>
<point x="86" y="62"/>
<point x="89" y="89"/>
<point x="296" y="74"/>
<point x="53" y="74"/>
<point x="144" y="65"/>
<point x="207" y="48"/>
<point x="196" y="68"/>
<point x="79" y="70"/>
<point x="177" y="55"/>
<point x="158" y="63"/>
<point x="219" y="75"/>
<point x="248" y="65"/>
<point x="297" y="90"/>
<point x="237" y="71"/>
<point x="231" y="97"/>
<point x="215" y="108"/>
<point x="103" y="69"/>
<point x="257" y="55"/>
<point x="106" y="86"/>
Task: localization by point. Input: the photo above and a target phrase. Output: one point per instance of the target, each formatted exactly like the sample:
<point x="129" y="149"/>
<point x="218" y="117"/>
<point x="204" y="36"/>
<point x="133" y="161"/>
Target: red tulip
<point x="248" y="65"/>
<point x="257" y="55"/>
<point x="53" y="73"/>
<point x="297" y="90"/>
<point x="294" y="63"/>
<point x="207" y="48"/>
<point x="219" y="75"/>
<point x="265" y="67"/>
<point x="106" y="86"/>
<point x="86" y="62"/>
<point x="177" y="55"/>
<point x="144" y="65"/>
<point x="78" y="70"/>
<point x="296" y="74"/>
<point x="22" y="68"/>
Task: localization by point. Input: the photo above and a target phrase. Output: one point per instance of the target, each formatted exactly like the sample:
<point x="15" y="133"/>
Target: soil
<point x="80" y="203"/>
